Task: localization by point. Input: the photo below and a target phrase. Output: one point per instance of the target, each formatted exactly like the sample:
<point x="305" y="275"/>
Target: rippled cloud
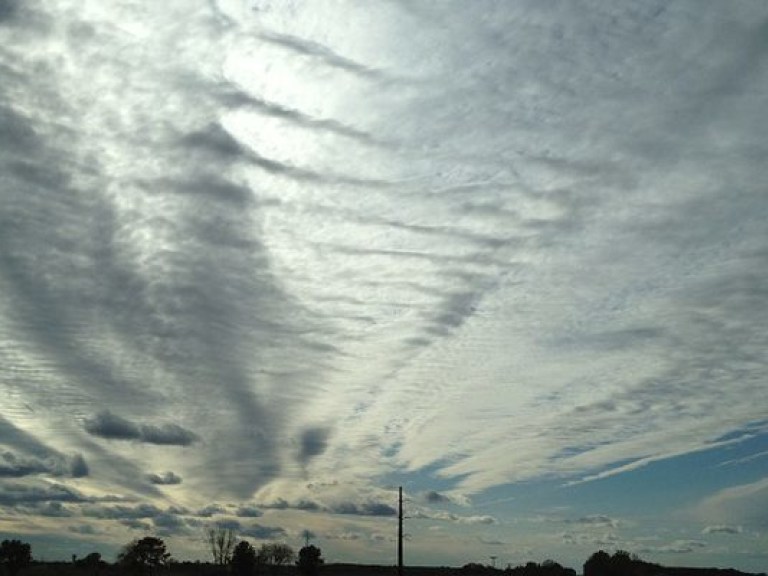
<point x="294" y="250"/>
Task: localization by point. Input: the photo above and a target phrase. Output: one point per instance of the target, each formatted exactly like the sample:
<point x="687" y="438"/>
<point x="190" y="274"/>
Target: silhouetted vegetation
<point x="15" y="555"/>
<point x="275" y="554"/>
<point x="546" y="568"/>
<point x="243" y="559"/>
<point x="92" y="564"/>
<point x="620" y="564"/>
<point x="310" y="560"/>
<point x="144" y="556"/>
<point x="149" y="556"/>
<point x="221" y="542"/>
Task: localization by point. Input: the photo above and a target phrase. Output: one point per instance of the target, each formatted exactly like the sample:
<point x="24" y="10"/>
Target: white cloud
<point x="737" y="506"/>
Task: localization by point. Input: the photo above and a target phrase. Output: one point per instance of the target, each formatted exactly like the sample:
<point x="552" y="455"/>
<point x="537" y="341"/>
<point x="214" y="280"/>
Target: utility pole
<point x="400" y="532"/>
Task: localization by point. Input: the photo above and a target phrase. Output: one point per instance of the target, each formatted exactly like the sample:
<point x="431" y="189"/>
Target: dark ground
<point x="206" y="569"/>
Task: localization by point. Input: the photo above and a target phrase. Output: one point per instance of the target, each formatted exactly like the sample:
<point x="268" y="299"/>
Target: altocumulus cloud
<point x="165" y="479"/>
<point x="113" y="427"/>
<point x="341" y="261"/>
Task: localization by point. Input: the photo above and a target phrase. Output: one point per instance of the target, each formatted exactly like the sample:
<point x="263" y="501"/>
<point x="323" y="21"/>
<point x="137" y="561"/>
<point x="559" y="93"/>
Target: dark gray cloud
<point x="722" y="529"/>
<point x="124" y="512"/>
<point x="676" y="547"/>
<point x="168" y="434"/>
<point x="248" y="512"/>
<point x="321" y="52"/>
<point x="134" y="524"/>
<point x="12" y="494"/>
<point x="112" y="427"/>
<point x="250" y="530"/>
<point x="165" y="479"/>
<point x="8" y="9"/>
<point x="313" y="442"/>
<point x="12" y="466"/>
<point x="364" y="509"/>
<point x="262" y="532"/>
<point x="85" y="529"/>
<point x="25" y="442"/>
<point x="302" y="504"/>
<point x="210" y="510"/>
<point x="433" y="497"/>
<point x="79" y="467"/>
<point x="53" y="509"/>
<point x="170" y="524"/>
<point x="228" y="524"/>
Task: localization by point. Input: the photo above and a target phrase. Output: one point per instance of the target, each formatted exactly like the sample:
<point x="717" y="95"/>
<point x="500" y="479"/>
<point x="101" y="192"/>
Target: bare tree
<point x="275" y="553"/>
<point x="222" y="542"/>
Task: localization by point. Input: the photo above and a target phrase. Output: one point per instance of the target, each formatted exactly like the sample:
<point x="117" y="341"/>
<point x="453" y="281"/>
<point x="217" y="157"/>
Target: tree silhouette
<point x="92" y="563"/>
<point x="15" y="555"/>
<point x="221" y="542"/>
<point x="621" y="563"/>
<point x="146" y="554"/>
<point x="598" y="564"/>
<point x="243" y="560"/>
<point x="276" y="554"/>
<point x="310" y="560"/>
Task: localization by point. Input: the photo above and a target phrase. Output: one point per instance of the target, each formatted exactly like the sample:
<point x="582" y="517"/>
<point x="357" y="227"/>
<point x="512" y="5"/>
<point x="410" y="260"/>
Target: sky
<point x="262" y="262"/>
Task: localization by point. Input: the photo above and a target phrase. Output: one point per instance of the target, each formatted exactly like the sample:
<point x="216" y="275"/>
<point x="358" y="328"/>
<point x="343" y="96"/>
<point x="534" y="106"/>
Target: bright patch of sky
<point x="261" y="262"/>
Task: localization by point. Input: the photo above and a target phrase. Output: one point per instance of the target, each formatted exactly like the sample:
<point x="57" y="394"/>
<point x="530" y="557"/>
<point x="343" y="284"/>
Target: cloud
<point x="210" y="510"/>
<point x="251" y="530"/>
<point x="85" y="529"/>
<point x="11" y="466"/>
<point x="124" y="512"/>
<point x="433" y="497"/>
<point x="363" y="509"/>
<point x="248" y="512"/>
<point x="722" y="529"/>
<point x="168" y="523"/>
<point x="451" y="517"/>
<point x="349" y="536"/>
<point x="608" y="539"/>
<point x="301" y="504"/>
<point x="597" y="521"/>
<point x="525" y="257"/>
<point x="112" y="427"/>
<point x="228" y="524"/>
<point x="15" y="466"/>
<point x="135" y="524"/>
<point x="737" y="506"/>
<point x="53" y="509"/>
<point x="8" y="9"/>
<point x="168" y="434"/>
<point x="313" y="443"/>
<point x="166" y="479"/>
<point x="678" y="547"/>
<point x="79" y="467"/>
<point x="262" y="532"/>
<point x="12" y="494"/>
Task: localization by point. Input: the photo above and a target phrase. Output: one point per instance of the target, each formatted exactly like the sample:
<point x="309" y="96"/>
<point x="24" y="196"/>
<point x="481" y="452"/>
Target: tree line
<point x="150" y="556"/>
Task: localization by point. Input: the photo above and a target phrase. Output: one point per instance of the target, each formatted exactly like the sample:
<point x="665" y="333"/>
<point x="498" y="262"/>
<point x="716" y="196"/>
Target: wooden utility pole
<point x="400" y="532"/>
